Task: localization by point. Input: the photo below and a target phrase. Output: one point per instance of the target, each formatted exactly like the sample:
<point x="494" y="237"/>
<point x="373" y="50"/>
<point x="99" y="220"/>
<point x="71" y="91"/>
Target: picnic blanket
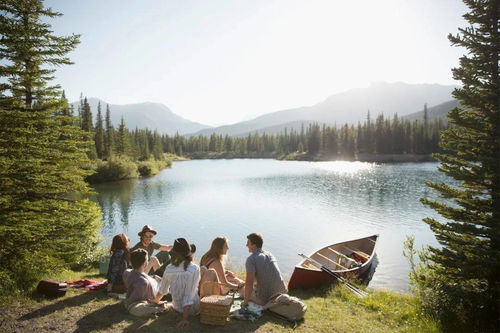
<point x="88" y="284"/>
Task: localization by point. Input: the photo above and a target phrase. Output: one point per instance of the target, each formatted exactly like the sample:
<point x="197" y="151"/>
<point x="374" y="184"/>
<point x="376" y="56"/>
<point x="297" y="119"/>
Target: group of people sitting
<point x="171" y="274"/>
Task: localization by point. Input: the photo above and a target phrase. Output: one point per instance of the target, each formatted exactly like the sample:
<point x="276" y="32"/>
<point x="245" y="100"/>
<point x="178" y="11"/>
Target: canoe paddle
<point x="355" y="290"/>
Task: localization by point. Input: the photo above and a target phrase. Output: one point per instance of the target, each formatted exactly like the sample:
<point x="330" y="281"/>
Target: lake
<point x="297" y="206"/>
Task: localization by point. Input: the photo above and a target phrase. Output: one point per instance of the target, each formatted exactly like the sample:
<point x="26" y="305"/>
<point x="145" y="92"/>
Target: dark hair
<point x="138" y="258"/>
<point x="177" y="258"/>
<point x="256" y="239"/>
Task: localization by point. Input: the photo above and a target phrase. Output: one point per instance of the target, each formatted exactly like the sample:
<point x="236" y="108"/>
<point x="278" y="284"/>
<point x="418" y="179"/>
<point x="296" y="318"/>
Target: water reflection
<point x="298" y="206"/>
<point x="368" y="275"/>
<point x="343" y="167"/>
<point x="116" y="205"/>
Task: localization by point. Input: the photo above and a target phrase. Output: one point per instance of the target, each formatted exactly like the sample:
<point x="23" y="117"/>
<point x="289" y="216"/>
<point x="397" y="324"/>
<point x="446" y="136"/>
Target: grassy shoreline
<point x="372" y="158"/>
<point x="297" y="156"/>
<point x="121" y="168"/>
<point x="330" y="309"/>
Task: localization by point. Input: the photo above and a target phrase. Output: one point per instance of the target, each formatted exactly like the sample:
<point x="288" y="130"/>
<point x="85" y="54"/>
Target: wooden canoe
<point x="350" y="259"/>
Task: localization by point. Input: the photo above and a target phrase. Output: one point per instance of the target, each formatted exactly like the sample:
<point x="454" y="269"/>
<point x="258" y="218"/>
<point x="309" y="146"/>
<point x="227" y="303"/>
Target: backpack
<point x="52" y="288"/>
<point x="289" y="307"/>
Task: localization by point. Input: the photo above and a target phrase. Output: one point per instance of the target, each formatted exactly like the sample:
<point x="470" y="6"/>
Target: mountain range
<point x="435" y="112"/>
<point x="145" y="115"/>
<point x="351" y="106"/>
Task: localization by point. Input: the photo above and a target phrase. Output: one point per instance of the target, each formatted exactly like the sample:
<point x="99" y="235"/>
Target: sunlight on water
<point x="343" y="167"/>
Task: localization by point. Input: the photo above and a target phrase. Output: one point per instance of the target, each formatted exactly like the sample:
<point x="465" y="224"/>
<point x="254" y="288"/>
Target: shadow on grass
<point x="306" y="294"/>
<point x="91" y="313"/>
<point x="106" y="317"/>
<point x="65" y="303"/>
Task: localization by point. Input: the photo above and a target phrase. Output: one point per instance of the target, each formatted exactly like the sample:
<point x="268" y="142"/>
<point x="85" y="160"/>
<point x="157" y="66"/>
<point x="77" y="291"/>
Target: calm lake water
<point x="297" y="206"/>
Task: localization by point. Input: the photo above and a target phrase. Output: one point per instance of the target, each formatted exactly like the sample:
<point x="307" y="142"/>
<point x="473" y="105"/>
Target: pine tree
<point x="43" y="225"/>
<point x="313" y="139"/>
<point x="87" y="116"/>
<point x="469" y="260"/>
<point x="66" y="111"/>
<point x="122" y="143"/>
<point x="109" y="140"/>
<point x="157" y="146"/>
<point x="99" y="133"/>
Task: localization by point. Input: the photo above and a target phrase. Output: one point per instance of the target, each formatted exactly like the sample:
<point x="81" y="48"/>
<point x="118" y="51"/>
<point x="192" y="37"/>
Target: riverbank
<point x="372" y="158"/>
<point x="229" y="155"/>
<point x="303" y="156"/>
<point x="329" y="310"/>
<point x="121" y="168"/>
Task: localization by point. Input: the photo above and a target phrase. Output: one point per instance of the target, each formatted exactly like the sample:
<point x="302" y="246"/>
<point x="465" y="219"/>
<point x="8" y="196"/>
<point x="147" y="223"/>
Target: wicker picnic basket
<point x="214" y="309"/>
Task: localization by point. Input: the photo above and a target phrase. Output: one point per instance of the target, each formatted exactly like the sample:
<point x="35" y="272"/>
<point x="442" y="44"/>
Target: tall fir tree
<point x="468" y="260"/>
<point x="86" y="116"/>
<point x="43" y="224"/>
<point x="87" y="126"/>
<point x="109" y="135"/>
<point x="313" y="139"/>
<point x="99" y="134"/>
<point x="122" y="143"/>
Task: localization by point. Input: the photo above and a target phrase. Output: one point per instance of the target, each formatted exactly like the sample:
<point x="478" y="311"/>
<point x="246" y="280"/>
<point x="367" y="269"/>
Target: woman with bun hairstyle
<point x="181" y="278"/>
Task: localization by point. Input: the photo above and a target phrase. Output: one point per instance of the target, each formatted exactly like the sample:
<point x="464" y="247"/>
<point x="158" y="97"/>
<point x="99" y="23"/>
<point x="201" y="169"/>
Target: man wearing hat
<point x="155" y="262"/>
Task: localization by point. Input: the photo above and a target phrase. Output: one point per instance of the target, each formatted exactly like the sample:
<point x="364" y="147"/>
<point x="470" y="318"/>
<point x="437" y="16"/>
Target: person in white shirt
<point x="181" y="278"/>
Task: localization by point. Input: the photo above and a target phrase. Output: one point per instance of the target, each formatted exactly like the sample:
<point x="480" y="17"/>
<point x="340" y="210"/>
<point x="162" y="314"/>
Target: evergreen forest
<point x="381" y="136"/>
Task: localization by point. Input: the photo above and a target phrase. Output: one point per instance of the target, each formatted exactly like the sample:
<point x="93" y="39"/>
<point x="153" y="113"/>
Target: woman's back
<point x="117" y="265"/>
<point x="183" y="285"/>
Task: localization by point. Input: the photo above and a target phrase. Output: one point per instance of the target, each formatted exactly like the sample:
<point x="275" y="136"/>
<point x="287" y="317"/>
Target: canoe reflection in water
<point x="354" y="260"/>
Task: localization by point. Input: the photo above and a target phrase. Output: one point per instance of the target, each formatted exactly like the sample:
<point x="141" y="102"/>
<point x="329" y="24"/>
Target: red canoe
<point x="349" y="259"/>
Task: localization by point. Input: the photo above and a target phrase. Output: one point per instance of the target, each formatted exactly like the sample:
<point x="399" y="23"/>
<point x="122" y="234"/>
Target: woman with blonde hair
<point x="214" y="259"/>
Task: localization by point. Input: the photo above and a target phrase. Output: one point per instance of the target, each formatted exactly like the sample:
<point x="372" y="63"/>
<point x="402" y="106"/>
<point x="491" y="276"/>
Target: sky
<point x="223" y="61"/>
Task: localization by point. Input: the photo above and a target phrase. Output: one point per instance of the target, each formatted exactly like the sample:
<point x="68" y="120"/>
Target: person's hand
<point x="230" y="274"/>
<point x="157" y="278"/>
<point x="169" y="247"/>
<point x="183" y="323"/>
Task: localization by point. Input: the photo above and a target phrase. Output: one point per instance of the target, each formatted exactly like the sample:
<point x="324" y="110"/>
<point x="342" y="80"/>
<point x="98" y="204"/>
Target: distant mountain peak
<point x="155" y="116"/>
<point x="349" y="106"/>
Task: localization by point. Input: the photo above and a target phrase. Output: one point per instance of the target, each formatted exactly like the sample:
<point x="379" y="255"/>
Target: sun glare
<point x="343" y="167"/>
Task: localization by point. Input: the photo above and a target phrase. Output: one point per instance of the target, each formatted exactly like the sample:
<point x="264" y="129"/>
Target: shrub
<point x="448" y="301"/>
<point x="115" y="169"/>
<point x="147" y="168"/>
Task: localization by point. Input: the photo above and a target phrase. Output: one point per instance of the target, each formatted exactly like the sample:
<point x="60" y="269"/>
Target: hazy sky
<point x="222" y="61"/>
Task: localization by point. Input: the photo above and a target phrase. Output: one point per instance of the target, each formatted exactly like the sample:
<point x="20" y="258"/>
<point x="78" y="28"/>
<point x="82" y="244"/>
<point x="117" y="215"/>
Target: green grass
<point x="175" y="158"/>
<point x="329" y="310"/>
